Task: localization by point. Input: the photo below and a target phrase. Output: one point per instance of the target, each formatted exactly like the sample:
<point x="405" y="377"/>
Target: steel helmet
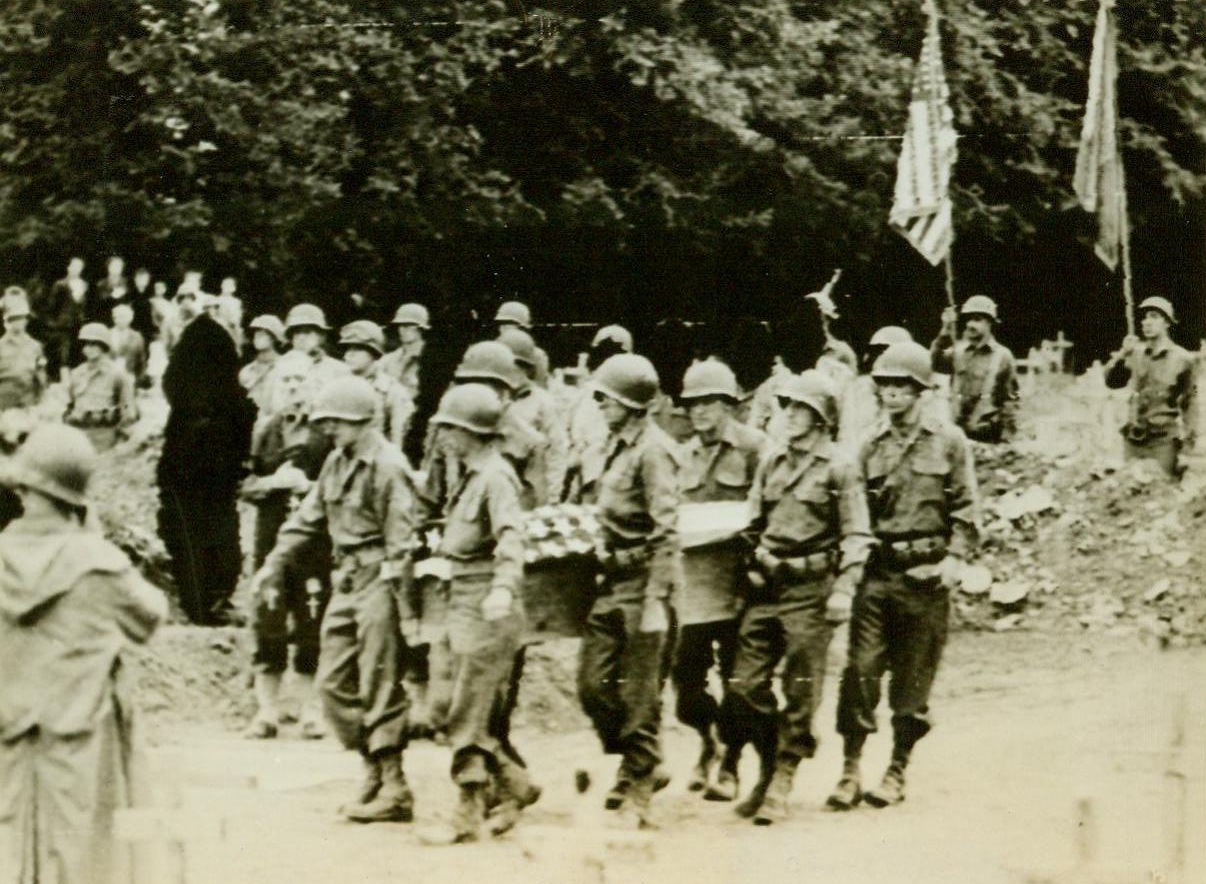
<point x="1161" y="305"/>
<point x="521" y="345"/>
<point x="489" y="361"/>
<point x="629" y="379"/>
<point x="889" y="334"/>
<point x="16" y="306"/>
<point x="709" y="378"/>
<point x="907" y="360"/>
<point x="472" y="407"/>
<point x="363" y="333"/>
<point x="979" y="305"/>
<point x="305" y="316"/>
<point x="55" y="460"/>
<point x="516" y="312"/>
<point x="413" y="314"/>
<point x="269" y="323"/>
<point x="96" y="333"/>
<point x="814" y="389"/>
<point x="346" y="398"/>
<point x="615" y="333"/>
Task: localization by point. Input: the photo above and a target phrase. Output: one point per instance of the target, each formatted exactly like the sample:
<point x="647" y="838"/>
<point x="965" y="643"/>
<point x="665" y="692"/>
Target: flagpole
<point x="950" y="276"/>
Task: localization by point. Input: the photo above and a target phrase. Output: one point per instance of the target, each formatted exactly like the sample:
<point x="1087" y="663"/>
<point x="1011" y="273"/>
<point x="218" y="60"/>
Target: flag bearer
<point x="984" y="384"/>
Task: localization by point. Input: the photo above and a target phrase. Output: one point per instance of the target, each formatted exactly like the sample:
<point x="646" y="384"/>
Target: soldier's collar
<point x="813" y="444"/>
<point x="985" y="343"/>
<point x="1159" y="348"/>
<point x="632" y="430"/>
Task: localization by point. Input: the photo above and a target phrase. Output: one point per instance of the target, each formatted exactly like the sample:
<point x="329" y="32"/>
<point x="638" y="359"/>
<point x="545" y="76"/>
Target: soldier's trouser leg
<point x="270" y="515"/>
<point x="698" y="647"/>
<point x="508" y="700"/>
<point x="360" y="665"/>
<point x="866" y="661"/>
<point x="483" y="654"/>
<point x="748" y="711"/>
<point x="917" y="630"/>
<point x="619" y="680"/>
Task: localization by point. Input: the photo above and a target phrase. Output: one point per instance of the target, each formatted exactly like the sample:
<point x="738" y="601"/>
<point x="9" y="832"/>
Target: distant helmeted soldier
<point x="267" y="336"/>
<point x="363" y="344"/>
<point x="516" y="314"/>
<point x="718" y="464"/>
<point x="921" y="491"/>
<point x="306" y="329"/>
<point x="364" y="501"/>
<point x="586" y="429"/>
<point x="810" y="536"/>
<point x="483" y="540"/>
<point x="22" y="359"/>
<point x="100" y="392"/>
<point x="535" y="406"/>
<point x="860" y="404"/>
<point x="411" y="321"/>
<point x="984" y="384"/>
<point x="619" y="667"/>
<point x="1163" y="419"/>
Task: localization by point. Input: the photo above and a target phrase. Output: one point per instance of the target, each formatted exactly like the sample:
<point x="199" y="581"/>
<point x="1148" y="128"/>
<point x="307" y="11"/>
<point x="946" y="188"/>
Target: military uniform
<point x="618" y="670"/>
<point x="984" y="386"/>
<point x="322" y="371"/>
<point x="100" y="399"/>
<point x="364" y="500"/>
<point x="921" y="489"/>
<point x="534" y="407"/>
<point x="1164" y="407"/>
<point x="397" y="406"/>
<point x="254" y="378"/>
<point x="723" y="470"/>
<point x="402" y="365"/>
<point x="22" y="371"/>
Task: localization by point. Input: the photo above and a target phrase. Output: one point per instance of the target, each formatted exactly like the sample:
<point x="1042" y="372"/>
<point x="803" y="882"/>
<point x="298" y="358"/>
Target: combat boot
<point x="766" y="768"/>
<point x="660" y="779"/>
<point x="470" y="813"/>
<point x="637" y="806"/>
<point x="726" y="786"/>
<point x="267" y="717"/>
<point x="892" y="789"/>
<point x="515" y="792"/>
<point x="393" y="802"/>
<point x="701" y="774"/>
<point x="774" y="806"/>
<point x="848" y="792"/>
<point x="368" y="789"/>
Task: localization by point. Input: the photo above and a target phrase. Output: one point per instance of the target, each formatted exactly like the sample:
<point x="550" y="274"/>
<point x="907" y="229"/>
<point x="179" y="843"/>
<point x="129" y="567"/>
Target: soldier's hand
<point x="409" y="628"/>
<point x="949" y="316"/>
<point x="1129" y="344"/>
<point x="837" y="607"/>
<point x="497" y="604"/>
<point x="950" y="572"/>
<point x="653" y="616"/>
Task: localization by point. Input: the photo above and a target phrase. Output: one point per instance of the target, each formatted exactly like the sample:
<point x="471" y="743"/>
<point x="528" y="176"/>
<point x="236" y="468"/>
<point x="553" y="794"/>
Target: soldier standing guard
<point x="483" y="540"/>
<point x="808" y="523"/>
<point x="921" y="490"/>
<point x="22" y="359"/>
<point x="620" y="657"/>
<point x="1163" y="416"/>
<point x="100" y="393"/>
<point x="984" y="383"/>
<point x="267" y="336"/>
<point x="364" y="500"/>
<point x="719" y="463"/>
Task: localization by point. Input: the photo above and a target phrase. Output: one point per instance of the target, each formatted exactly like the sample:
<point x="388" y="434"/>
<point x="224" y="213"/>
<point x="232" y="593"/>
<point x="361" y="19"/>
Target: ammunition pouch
<point x="617" y="563"/>
<point x="778" y="570"/>
<point x="902" y="555"/>
<point x="1142" y="433"/>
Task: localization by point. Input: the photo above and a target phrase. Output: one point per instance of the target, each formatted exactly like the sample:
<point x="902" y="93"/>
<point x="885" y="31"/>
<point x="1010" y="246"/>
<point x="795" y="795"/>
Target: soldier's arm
<point x="854" y="518"/>
<point x="397" y="502"/>
<point x="506" y="524"/>
<point x="307" y="522"/>
<point x="1117" y="371"/>
<point x="962" y="496"/>
<point x="756" y="506"/>
<point x="1187" y="398"/>
<point x="1007" y="396"/>
<point x="942" y="351"/>
<point x="659" y="473"/>
<point x="139" y="607"/>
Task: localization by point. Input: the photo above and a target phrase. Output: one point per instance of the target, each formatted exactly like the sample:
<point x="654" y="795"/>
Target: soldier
<point x="860" y="405"/>
<point x="100" y="393"/>
<point x="267" y="337"/>
<point x="718" y="463"/>
<point x="363" y="344"/>
<point x="620" y="658"/>
<point x="984" y="384"/>
<point x="483" y="539"/>
<point x="412" y="322"/>
<point x="586" y="429"/>
<point x="22" y="359"/>
<point x="534" y="406"/>
<point x="364" y="501"/>
<point x="306" y="329"/>
<point x="70" y="605"/>
<point x="515" y="314"/>
<point x="921" y="490"/>
<point x="808" y="523"/>
<point x="290" y="449"/>
<point x="1163" y="417"/>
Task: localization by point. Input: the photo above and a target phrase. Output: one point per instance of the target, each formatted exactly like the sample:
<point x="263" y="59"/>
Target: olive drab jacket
<point x="984" y="386"/>
<point x="1164" y="401"/>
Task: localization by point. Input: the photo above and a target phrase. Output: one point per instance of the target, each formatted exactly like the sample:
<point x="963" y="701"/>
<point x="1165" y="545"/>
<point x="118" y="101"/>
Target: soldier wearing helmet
<point x="1163" y="416"/>
<point x="718" y="463"/>
<point x="483" y="540"/>
<point x="100" y="392"/>
<point x="921" y="491"/>
<point x="267" y="339"/>
<point x="586" y="430"/>
<point x="984" y="384"/>
<point x="22" y="359"/>
<point x="619" y="672"/>
<point x="534" y="406"/>
<point x="517" y="315"/>
<point x="860" y="405"/>
<point x="364" y="501"/>
<point x="412" y="322"/>
<point x="810" y="536"/>
<point x="287" y="453"/>
<point x="73" y="604"/>
<point x="363" y="343"/>
<point x="306" y="330"/>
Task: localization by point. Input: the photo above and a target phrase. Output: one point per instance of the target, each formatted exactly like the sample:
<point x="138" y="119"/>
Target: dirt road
<point x="1051" y="762"/>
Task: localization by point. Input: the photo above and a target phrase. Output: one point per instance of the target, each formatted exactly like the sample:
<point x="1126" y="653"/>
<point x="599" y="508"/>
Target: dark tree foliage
<point x="707" y="160"/>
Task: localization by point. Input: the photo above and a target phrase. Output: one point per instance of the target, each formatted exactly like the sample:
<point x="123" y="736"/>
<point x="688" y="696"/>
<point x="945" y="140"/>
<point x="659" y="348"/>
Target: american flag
<point x="921" y="208"/>
<point x="1099" y="183"/>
